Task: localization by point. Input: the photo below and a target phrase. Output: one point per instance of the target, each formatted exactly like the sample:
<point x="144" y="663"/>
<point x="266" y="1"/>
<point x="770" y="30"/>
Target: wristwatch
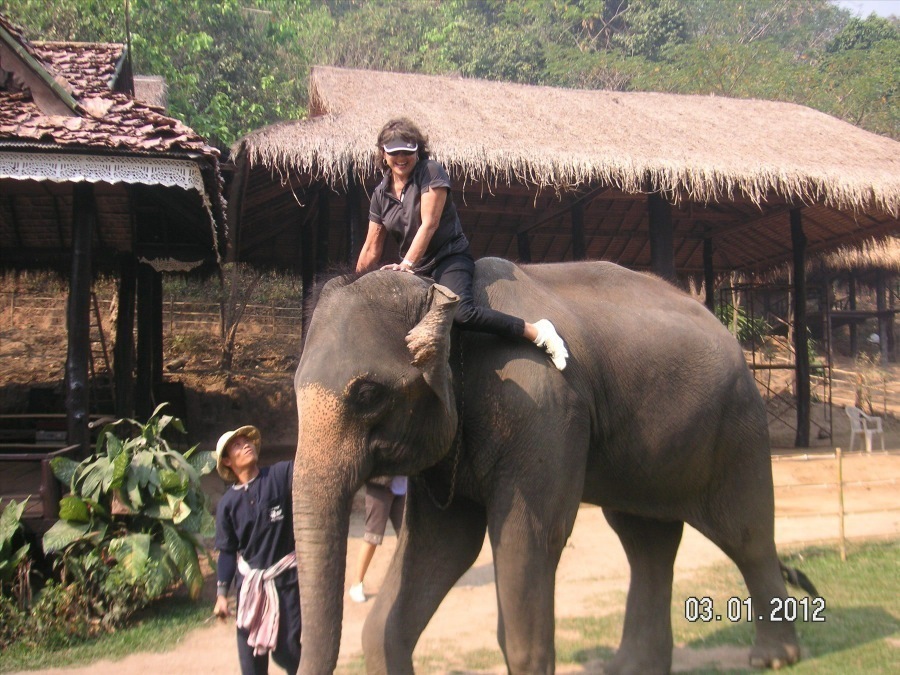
<point x="406" y="262"/>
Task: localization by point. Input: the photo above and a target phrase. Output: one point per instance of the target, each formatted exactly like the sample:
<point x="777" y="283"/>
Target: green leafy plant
<point x="12" y="555"/>
<point x="135" y="506"/>
<point x="743" y="327"/>
<point x="15" y="573"/>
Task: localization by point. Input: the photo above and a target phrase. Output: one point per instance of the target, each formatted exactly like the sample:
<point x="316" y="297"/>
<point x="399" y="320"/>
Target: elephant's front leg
<point x="434" y="550"/>
<point x="528" y="534"/>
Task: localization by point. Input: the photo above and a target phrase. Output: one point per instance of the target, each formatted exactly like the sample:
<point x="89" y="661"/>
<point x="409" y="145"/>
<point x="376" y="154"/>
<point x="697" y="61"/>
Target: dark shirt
<point x="403" y="217"/>
<point x="256" y="522"/>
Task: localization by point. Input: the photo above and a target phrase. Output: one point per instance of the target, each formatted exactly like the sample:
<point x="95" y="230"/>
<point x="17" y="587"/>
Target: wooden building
<point x="95" y="180"/>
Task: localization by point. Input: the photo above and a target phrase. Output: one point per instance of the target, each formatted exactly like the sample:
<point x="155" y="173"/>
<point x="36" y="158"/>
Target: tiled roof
<point x="112" y="120"/>
<point x="62" y="121"/>
<point x="88" y="67"/>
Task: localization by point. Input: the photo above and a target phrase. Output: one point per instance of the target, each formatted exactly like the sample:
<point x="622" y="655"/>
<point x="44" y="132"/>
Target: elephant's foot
<point x="774" y="656"/>
<point x="642" y="662"/>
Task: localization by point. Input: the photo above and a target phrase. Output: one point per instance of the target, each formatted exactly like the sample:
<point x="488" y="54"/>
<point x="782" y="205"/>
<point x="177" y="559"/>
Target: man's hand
<point x="221" y="608"/>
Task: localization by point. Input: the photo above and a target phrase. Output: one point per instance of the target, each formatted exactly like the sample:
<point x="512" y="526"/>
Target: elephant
<point x="656" y="419"/>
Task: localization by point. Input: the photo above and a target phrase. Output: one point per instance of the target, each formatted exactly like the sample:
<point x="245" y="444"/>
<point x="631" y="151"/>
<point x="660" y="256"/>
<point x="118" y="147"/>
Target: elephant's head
<point x="374" y="397"/>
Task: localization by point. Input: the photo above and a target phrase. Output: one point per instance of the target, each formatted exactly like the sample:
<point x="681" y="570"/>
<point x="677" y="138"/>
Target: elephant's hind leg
<point x="746" y="534"/>
<point x="651" y="546"/>
<point x="776" y="639"/>
<point x="435" y="548"/>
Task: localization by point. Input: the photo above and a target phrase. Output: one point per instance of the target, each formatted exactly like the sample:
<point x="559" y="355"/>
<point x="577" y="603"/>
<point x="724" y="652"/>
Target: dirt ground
<point x="593" y="565"/>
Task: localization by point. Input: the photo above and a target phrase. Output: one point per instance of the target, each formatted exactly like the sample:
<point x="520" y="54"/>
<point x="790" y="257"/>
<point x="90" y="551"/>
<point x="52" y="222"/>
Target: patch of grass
<point x="156" y="629"/>
<point x="481" y="659"/>
<point x="860" y="634"/>
<point x="861" y="610"/>
<point x="584" y="639"/>
<point x="355" y="666"/>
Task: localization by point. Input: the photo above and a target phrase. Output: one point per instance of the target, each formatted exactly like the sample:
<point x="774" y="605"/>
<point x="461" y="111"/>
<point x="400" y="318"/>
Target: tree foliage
<point x="233" y="66"/>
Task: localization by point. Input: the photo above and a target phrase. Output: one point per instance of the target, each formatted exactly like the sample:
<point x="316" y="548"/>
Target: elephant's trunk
<point x="321" y="523"/>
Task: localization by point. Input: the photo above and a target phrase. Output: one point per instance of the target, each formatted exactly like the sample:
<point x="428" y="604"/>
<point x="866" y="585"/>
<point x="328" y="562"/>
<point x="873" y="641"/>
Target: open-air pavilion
<point x="95" y="179"/>
<point x="683" y="186"/>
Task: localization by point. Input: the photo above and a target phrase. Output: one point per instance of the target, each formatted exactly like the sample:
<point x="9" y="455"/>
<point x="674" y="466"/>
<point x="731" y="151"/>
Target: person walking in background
<point x="255" y="540"/>
<point x="385" y="499"/>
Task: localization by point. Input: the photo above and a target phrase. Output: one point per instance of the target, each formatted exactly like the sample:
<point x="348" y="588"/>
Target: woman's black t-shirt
<point x="403" y="217"/>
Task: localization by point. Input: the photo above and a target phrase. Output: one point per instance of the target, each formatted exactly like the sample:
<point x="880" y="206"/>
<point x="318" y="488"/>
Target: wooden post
<point x="78" y="316"/>
<point x="892" y="345"/>
<point x="662" y="240"/>
<point x="578" y="246"/>
<point x="840" y="480"/>
<point x="356" y="224"/>
<point x="157" y="325"/>
<point x="801" y="333"/>
<point x="143" y="399"/>
<point x="123" y="352"/>
<point x="524" y="246"/>
<point x="308" y="254"/>
<point x="881" y="306"/>
<point x="323" y="224"/>
<point x="851" y="292"/>
<point x="709" y="276"/>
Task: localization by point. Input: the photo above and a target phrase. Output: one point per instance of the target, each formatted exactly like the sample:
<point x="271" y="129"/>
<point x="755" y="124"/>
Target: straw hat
<point x="251" y="432"/>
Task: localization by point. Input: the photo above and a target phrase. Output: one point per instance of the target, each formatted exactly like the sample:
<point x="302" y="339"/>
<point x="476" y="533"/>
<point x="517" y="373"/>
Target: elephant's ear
<point x="429" y="342"/>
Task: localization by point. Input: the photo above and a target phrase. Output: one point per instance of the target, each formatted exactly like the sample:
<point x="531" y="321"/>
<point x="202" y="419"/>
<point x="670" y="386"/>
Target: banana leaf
<point x="133" y="553"/>
<point x="120" y="469"/>
<point x="74" y="509"/>
<point x="184" y="555"/>
<point x="62" y="534"/>
<point x="10" y="519"/>
<point x="161" y="573"/>
<point x="64" y="469"/>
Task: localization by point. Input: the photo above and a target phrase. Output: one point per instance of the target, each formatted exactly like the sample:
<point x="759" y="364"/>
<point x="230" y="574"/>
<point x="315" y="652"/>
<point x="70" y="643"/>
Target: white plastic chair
<point x="868" y="425"/>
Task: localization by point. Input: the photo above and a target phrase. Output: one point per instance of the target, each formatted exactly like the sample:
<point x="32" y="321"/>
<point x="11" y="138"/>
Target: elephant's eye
<point x="365" y="395"/>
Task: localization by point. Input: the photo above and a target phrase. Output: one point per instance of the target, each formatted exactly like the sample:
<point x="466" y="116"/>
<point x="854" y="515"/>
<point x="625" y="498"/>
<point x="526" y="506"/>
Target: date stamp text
<point x="736" y="610"/>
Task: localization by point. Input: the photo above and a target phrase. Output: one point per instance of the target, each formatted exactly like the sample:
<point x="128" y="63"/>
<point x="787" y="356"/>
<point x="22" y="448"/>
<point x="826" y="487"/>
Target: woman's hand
<point x="395" y="267"/>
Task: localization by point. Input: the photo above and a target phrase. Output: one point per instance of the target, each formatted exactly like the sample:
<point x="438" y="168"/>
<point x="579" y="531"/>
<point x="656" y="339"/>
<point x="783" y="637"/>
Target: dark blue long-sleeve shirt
<point x="255" y="520"/>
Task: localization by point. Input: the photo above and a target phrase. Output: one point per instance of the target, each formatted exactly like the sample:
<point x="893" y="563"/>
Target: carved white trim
<point x="92" y="168"/>
<point x="61" y="168"/>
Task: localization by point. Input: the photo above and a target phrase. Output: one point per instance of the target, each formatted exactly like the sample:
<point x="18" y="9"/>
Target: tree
<point x="228" y="67"/>
<point x="861" y="75"/>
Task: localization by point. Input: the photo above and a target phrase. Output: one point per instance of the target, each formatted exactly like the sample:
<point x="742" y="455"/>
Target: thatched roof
<point x="702" y="148"/>
<point x="874" y="255"/>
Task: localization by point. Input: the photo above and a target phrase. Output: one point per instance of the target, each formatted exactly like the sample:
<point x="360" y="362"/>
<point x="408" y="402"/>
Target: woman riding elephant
<point x="414" y="204"/>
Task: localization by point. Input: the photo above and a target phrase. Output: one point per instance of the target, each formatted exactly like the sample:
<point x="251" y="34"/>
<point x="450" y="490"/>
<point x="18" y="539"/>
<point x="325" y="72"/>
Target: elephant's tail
<point x="796" y="578"/>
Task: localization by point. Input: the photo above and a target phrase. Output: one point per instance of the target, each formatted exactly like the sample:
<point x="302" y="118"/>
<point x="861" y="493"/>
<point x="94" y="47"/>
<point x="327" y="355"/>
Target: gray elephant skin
<point x="656" y="419"/>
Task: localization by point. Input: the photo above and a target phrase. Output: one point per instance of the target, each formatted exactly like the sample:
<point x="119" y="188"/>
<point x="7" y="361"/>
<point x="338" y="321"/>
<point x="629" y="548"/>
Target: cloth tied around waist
<point x="258" y="607"/>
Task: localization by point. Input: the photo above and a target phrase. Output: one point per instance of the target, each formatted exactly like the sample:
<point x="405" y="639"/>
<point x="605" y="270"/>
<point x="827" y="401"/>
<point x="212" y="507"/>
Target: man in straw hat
<point x="255" y="540"/>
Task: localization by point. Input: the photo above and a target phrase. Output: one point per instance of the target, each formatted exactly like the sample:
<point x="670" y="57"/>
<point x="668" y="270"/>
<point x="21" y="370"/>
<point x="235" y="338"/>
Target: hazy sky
<point x="865" y="7"/>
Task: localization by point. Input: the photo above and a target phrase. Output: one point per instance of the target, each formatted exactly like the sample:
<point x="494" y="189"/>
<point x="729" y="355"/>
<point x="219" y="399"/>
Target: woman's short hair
<point x="404" y="128"/>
